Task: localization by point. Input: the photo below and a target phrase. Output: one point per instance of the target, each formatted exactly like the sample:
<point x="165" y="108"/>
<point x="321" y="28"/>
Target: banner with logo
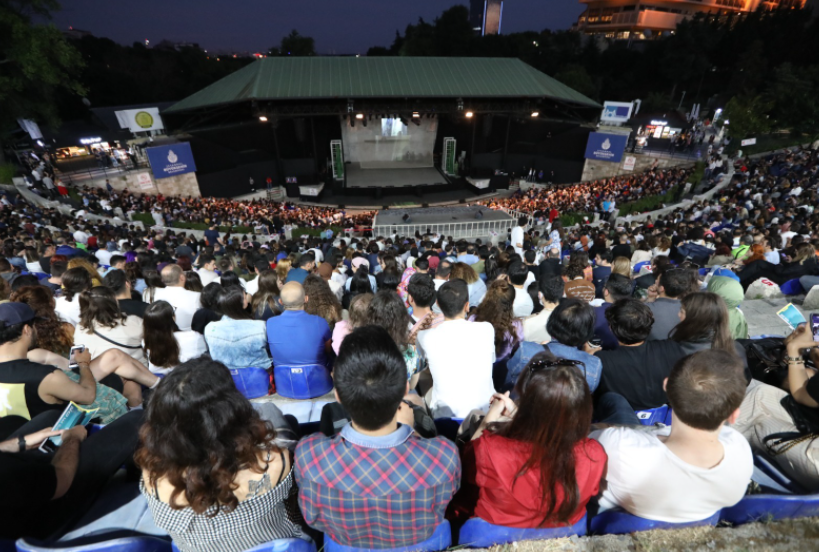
<point x="616" y="112"/>
<point x="629" y="163"/>
<point x="171" y="160"/>
<point x="606" y="147"/>
<point x="140" y="120"/>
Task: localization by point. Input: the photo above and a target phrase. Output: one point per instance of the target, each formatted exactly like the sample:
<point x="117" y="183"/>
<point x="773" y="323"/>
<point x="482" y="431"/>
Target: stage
<point x="358" y="178"/>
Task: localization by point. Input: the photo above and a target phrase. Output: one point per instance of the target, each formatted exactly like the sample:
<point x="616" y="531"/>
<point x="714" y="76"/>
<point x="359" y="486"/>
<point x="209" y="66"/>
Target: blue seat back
<point x="41" y="275"/>
<point x="251" y="382"/>
<point x="302" y="382"/>
<point x="477" y="533"/>
<point x="441" y="539"/>
<point x="620" y="522"/>
<point x="766" y="336"/>
<point x="792" y="287"/>
<point x="639" y="266"/>
<point x="771" y="507"/>
<point x="280" y="545"/>
<point x="661" y="414"/>
<point x="99" y="543"/>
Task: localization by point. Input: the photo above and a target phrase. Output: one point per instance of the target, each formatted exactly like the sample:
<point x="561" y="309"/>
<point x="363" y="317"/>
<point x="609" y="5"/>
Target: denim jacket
<point x="528" y="349"/>
<point x="238" y="343"/>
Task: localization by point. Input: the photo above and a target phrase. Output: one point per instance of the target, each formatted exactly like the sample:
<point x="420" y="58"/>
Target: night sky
<point x="339" y="26"/>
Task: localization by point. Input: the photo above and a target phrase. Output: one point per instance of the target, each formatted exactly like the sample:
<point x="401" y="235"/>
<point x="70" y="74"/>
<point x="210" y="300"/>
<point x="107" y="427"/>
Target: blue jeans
<point x="614" y="409"/>
<point x="808" y="282"/>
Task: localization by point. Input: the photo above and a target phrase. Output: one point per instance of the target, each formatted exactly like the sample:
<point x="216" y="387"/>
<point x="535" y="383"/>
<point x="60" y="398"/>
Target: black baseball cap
<point x="12" y="314"/>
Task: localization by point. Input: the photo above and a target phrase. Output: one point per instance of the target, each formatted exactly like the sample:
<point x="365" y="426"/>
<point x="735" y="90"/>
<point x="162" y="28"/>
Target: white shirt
<point x="207" y="276"/>
<point x="517" y="238"/>
<point x="185" y="303"/>
<point x="534" y="327"/>
<point x="437" y="283"/>
<point x="68" y="311"/>
<point x="81" y="237"/>
<point x="191" y="345"/>
<point x="252" y="286"/>
<point x="460" y="356"/>
<point x="523" y="303"/>
<point x="648" y="480"/>
<point x="772" y="257"/>
<point x="104" y="257"/>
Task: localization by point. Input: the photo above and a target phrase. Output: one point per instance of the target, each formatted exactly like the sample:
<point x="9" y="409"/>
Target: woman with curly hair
<point x="497" y="309"/>
<point x="321" y="300"/>
<point x="223" y="470"/>
<point x="388" y="311"/>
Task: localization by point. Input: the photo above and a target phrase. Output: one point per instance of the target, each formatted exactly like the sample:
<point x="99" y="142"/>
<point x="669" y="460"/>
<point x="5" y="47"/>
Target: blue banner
<point x="606" y="147"/>
<point x="171" y="160"/>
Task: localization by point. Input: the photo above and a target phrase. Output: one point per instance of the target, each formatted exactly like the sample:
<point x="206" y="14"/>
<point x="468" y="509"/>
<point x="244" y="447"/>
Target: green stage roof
<point x="304" y="78"/>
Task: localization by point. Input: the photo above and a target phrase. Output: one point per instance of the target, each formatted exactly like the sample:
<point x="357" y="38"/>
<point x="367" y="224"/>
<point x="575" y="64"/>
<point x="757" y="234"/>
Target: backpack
<point x="698" y="254"/>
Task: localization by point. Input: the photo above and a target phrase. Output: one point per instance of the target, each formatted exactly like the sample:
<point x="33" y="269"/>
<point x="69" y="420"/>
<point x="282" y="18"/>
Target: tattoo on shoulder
<point x="260" y="487"/>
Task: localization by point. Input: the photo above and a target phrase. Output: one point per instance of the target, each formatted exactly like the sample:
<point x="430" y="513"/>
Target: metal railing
<point x="81" y="176"/>
<point x="471" y="229"/>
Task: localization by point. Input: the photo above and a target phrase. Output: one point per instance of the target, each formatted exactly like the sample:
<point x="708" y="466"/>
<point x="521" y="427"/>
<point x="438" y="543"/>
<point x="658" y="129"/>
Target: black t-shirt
<point x="202" y="318"/>
<point x="813" y="388"/>
<point x="129" y="306"/>
<point x="637" y="373"/>
<point x="184" y="250"/>
<point x="550" y="268"/>
<point x="28" y="484"/>
<point x="26" y="376"/>
<point x="621" y="250"/>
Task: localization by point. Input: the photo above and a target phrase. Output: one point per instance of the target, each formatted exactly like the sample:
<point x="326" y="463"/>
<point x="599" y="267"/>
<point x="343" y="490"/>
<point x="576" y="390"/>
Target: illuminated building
<point x="486" y="16"/>
<point x="641" y="19"/>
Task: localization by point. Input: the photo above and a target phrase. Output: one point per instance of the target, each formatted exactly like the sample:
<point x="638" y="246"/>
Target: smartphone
<point x="814" y="326"/>
<point x="72" y="356"/>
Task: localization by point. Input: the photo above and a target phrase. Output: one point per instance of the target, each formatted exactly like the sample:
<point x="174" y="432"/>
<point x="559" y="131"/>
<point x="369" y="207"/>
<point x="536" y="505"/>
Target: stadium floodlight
<point x="535" y="114"/>
<point x="263" y="118"/>
<point x="469" y="114"/>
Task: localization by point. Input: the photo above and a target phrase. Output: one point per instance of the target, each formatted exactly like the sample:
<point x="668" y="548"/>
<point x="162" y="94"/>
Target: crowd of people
<point x="528" y="342"/>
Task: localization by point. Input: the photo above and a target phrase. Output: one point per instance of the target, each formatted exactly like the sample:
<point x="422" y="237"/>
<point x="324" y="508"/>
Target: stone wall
<point x="594" y="169"/>
<point x="182" y="185"/>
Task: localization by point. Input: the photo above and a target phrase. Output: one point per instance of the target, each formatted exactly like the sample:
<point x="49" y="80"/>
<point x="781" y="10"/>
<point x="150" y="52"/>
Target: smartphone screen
<point x="814" y="326"/>
<point x="72" y="361"/>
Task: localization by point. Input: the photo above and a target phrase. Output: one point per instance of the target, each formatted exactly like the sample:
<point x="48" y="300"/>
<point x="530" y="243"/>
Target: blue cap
<point x="12" y="314"/>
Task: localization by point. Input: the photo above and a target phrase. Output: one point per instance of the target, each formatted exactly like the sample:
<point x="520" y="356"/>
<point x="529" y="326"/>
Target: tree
<point x="747" y="117"/>
<point x="296" y="45"/>
<point x="36" y="64"/>
<point x="576" y="77"/>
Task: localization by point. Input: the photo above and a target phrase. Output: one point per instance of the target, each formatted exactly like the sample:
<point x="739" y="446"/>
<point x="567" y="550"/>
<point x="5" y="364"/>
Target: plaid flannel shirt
<point x="376" y="492"/>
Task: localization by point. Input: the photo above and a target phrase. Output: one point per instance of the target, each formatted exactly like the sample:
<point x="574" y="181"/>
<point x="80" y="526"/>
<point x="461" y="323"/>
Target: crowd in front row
<point x="528" y="343"/>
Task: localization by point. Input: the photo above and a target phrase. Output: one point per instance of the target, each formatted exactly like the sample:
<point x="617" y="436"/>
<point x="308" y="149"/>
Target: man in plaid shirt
<point x="377" y="484"/>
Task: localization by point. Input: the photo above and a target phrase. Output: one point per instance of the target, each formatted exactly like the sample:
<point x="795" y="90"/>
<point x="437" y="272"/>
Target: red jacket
<point x="492" y="463"/>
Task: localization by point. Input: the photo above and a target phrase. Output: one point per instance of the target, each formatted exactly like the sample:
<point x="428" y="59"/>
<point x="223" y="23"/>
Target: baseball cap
<point x="12" y="314"/>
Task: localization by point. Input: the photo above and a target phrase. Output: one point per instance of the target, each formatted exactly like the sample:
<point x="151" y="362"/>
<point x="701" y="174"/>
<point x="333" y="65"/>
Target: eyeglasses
<point x="541" y="364"/>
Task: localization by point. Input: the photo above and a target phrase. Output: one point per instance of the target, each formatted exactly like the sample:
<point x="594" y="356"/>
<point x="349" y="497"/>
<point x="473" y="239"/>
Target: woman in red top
<point x="532" y="462"/>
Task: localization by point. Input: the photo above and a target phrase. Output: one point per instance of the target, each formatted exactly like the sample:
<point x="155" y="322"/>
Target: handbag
<point x="806" y="420"/>
<point x="766" y="360"/>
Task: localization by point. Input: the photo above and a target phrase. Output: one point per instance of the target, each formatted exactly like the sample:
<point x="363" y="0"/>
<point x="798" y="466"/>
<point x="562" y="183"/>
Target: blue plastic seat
<point x="302" y="382"/>
<point x="792" y="287"/>
<point x="704" y="271"/>
<point x="477" y="533"/>
<point x="771" y="470"/>
<point x="661" y="414"/>
<point x="620" y="522"/>
<point x="123" y="541"/>
<point x="639" y="266"/>
<point x="251" y="382"/>
<point x="441" y="539"/>
<point x="766" y="336"/>
<point x="41" y="275"/>
<point x="280" y="545"/>
<point x="771" y="507"/>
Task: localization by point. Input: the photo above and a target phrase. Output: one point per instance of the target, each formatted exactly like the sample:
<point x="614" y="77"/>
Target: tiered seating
<point x="441" y="539"/>
<point x="620" y="522"/>
<point x="108" y="542"/>
<point x="477" y="533"/>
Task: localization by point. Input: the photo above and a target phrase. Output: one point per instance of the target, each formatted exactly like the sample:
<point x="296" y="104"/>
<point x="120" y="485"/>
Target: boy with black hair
<point x="376" y="467"/>
<point x="697" y="466"/>
<point x="617" y="287"/>
<point x="550" y="292"/>
<point x="636" y="369"/>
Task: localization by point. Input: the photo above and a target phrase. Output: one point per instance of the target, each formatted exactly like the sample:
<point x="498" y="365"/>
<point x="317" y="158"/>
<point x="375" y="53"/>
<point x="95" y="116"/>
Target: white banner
<point x="311" y="191"/>
<point x="144" y="181"/>
<point x="140" y="120"/>
<point x="628" y="164"/>
<point x="748" y="142"/>
<point x="31" y="127"/>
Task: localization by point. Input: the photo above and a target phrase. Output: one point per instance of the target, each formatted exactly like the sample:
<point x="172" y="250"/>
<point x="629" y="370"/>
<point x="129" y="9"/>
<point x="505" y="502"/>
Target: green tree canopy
<point x="296" y="45"/>
<point x="36" y="63"/>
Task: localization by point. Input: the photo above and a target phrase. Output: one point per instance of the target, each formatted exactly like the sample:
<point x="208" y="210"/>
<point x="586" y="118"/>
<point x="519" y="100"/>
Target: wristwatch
<point x="21" y="442"/>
